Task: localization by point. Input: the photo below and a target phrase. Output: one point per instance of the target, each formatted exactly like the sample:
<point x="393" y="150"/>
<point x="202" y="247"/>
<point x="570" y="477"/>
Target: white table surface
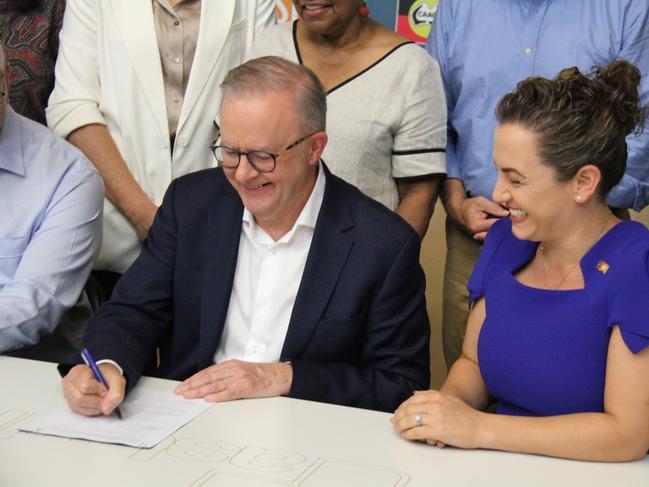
<point x="263" y="442"/>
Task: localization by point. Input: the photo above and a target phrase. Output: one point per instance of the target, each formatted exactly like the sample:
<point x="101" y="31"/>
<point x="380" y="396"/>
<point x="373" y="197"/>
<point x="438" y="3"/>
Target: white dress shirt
<point x="266" y="282"/>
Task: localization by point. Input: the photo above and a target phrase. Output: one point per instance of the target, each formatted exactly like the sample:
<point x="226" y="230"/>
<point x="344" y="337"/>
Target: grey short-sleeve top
<point x="386" y="122"/>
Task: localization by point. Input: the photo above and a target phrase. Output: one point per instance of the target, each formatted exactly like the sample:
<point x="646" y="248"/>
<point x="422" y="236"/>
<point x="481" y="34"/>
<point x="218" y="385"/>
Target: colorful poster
<point x="416" y="18"/>
<point x="285" y="10"/>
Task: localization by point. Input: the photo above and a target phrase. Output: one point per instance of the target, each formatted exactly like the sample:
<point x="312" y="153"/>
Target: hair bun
<point x="580" y="119"/>
<point x="617" y="84"/>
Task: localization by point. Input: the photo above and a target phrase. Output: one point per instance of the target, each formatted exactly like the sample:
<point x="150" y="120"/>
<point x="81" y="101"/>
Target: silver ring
<point x="418" y="421"/>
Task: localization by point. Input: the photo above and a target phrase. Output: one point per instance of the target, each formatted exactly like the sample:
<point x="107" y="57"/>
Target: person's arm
<point x="73" y="112"/>
<point x="417" y="197"/>
<point x="418" y="160"/>
<point x="470" y="214"/>
<point x="633" y="190"/>
<point x="463" y="390"/>
<point x="129" y="327"/>
<point x="121" y="188"/>
<point x="620" y="433"/>
<point x="56" y="263"/>
<point x="464" y="380"/>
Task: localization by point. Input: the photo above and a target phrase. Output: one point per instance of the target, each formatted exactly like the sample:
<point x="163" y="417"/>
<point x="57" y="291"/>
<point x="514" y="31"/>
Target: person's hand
<point x="478" y="215"/>
<point x="87" y="396"/>
<point x="144" y="219"/>
<point x="235" y="379"/>
<point x="444" y="420"/>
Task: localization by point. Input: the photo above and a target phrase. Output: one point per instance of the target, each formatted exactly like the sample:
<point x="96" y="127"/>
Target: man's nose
<point x="245" y="171"/>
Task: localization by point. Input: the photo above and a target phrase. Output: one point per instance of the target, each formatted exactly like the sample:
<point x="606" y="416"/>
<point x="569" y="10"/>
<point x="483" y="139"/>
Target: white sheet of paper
<point x="148" y="418"/>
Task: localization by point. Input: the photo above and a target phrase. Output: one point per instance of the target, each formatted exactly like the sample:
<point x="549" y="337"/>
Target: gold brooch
<point x="602" y="266"/>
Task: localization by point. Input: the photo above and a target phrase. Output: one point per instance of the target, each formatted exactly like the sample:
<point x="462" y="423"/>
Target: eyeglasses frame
<point x="273" y="155"/>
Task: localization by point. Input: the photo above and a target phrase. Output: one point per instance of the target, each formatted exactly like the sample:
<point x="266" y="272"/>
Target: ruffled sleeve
<point x="479" y="277"/>
<point x="629" y="300"/>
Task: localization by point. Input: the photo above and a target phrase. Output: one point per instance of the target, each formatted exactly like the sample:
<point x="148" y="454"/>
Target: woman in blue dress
<point x="558" y="334"/>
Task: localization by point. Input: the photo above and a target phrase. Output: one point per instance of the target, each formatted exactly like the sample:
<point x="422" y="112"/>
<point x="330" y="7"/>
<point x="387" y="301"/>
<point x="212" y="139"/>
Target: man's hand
<point x="234" y="379"/>
<point x="476" y="214"/>
<point x="87" y="396"/>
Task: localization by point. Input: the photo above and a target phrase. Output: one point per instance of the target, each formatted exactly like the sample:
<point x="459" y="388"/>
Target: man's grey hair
<point x="272" y="73"/>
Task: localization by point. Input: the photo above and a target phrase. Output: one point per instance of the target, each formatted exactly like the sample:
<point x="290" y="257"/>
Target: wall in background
<point x="384" y="11"/>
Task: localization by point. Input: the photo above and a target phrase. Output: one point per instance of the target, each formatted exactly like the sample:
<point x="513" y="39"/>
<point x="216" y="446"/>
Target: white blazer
<point x="109" y="72"/>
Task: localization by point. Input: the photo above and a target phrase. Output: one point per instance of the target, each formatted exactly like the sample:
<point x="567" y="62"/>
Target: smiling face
<point x="270" y="122"/>
<point x="327" y="17"/>
<point x="541" y="207"/>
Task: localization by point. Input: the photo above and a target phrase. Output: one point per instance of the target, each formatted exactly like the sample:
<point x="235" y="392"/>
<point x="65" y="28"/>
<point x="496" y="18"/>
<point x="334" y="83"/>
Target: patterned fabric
<point x="30" y="37"/>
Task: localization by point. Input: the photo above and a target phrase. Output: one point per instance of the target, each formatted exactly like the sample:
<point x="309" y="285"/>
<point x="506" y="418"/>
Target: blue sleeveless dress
<point x="543" y="352"/>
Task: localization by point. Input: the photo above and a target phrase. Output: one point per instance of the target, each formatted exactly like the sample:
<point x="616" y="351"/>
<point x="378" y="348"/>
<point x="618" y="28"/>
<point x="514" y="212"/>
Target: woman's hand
<point x="444" y="420"/>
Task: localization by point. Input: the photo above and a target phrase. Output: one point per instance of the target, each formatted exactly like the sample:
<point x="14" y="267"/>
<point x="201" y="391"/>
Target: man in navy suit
<point x="269" y="275"/>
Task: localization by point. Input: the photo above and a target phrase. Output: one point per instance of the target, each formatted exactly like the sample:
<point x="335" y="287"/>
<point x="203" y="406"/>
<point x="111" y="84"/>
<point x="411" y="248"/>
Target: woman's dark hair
<point x="580" y="119"/>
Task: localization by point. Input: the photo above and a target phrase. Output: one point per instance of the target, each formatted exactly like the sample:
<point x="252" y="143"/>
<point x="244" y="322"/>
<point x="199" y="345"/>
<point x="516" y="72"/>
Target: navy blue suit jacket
<point x="358" y="333"/>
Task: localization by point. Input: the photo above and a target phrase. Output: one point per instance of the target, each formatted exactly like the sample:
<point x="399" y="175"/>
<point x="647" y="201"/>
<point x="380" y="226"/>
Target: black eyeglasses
<point x="261" y="161"/>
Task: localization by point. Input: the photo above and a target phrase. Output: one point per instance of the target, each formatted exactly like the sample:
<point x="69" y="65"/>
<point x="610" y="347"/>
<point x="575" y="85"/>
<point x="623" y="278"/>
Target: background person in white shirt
<point x="268" y="276"/>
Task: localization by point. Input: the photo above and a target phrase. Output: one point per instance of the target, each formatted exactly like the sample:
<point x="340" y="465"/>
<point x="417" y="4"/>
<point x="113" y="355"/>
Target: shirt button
<point x="176" y="99"/>
<point x="177" y="60"/>
<point x="176" y="22"/>
<point x="528" y="50"/>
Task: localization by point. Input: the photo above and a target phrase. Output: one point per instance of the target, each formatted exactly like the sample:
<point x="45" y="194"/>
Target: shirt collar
<point x="11" y="146"/>
<point x="309" y="214"/>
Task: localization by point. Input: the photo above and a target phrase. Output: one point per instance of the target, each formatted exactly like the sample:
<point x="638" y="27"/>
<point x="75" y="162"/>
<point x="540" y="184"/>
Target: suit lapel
<point x="223" y="235"/>
<point x="327" y="256"/>
<point x="216" y="20"/>
<point x="135" y="23"/>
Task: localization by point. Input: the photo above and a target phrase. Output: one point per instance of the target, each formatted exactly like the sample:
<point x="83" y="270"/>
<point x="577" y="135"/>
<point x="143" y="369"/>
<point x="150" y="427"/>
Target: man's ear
<point x="587" y="181"/>
<point x="316" y="144"/>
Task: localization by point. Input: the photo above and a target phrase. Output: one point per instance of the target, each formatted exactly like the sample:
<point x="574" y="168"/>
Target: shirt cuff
<point x="108" y="361"/>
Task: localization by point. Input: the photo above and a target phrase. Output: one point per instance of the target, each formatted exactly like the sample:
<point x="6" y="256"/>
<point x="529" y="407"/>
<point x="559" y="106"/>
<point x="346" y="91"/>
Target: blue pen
<point x="90" y="362"/>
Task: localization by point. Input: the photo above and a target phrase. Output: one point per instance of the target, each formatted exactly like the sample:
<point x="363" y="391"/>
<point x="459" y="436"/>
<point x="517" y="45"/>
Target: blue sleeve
<point x="633" y="189"/>
<point x="495" y="236"/>
<point x="437" y="47"/>
<point x="56" y="260"/>
<point x="629" y="301"/>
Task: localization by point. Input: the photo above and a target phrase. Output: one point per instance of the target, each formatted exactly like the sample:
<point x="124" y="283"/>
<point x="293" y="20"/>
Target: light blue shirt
<point x="484" y="47"/>
<point x="51" y="201"/>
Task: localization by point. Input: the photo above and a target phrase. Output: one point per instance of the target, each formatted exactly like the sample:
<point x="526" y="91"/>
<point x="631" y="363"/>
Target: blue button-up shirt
<point x="51" y="201"/>
<point x="484" y="47"/>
